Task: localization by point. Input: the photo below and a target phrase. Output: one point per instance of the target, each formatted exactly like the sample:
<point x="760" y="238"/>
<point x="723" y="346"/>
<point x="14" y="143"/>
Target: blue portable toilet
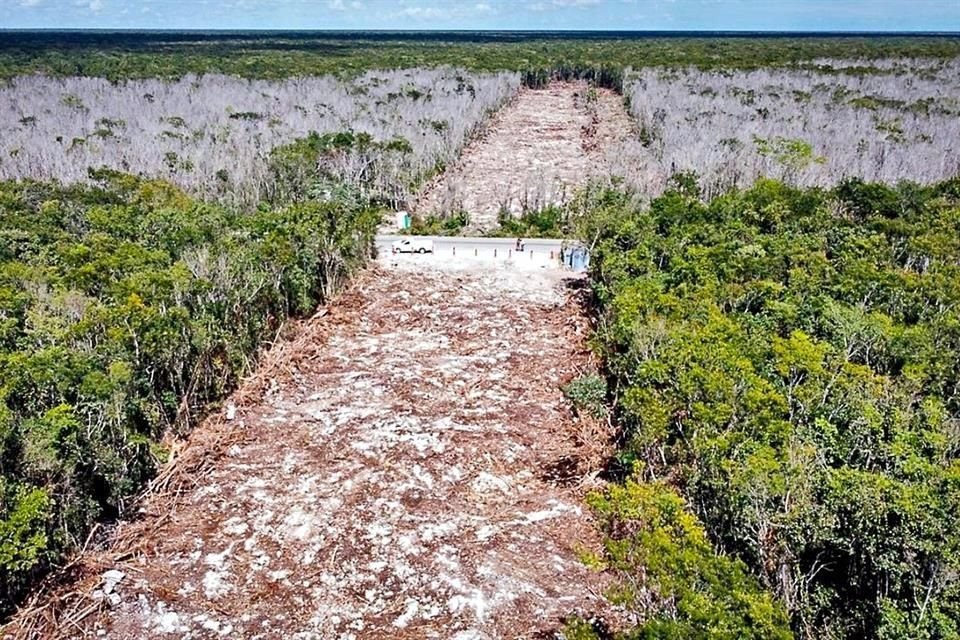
<point x="576" y="257"/>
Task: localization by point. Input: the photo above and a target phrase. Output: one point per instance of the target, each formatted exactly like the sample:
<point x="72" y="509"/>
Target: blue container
<point x="576" y="258"/>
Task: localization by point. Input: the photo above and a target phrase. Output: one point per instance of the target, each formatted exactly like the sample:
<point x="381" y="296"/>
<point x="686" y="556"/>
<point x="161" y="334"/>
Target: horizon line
<point x="799" y="32"/>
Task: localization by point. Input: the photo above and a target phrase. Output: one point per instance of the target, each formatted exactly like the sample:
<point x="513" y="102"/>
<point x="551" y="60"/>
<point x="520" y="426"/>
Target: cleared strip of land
<point x="404" y="465"/>
<point x="534" y="153"/>
<point x="398" y="469"/>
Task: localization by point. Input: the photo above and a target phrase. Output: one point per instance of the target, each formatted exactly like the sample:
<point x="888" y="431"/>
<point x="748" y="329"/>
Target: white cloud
<point x="448" y="10"/>
<point x="543" y="6"/>
<point x="95" y="6"/>
<point x="424" y="13"/>
<point x="29" y="3"/>
<point x="336" y="5"/>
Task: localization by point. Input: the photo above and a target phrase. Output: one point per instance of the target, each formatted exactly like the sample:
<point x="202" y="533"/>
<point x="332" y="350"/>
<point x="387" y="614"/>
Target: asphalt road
<point x="479" y="247"/>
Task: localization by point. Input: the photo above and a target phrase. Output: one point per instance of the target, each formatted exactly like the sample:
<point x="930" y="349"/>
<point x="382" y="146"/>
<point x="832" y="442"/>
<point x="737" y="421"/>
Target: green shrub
<point x="788" y="359"/>
<point x="128" y="308"/>
<point x="669" y="575"/>
<point x="588" y="394"/>
<point x="548" y="222"/>
<point x="437" y="225"/>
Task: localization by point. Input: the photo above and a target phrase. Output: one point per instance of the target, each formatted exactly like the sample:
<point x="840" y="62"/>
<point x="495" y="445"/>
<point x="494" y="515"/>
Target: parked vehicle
<point x="413" y="245"/>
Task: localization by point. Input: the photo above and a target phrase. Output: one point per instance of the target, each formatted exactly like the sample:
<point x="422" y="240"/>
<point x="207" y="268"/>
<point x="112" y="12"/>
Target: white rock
<point x="111" y="579"/>
<point x="215" y="585"/>
<point x="169" y="622"/>
<point x="409" y="613"/>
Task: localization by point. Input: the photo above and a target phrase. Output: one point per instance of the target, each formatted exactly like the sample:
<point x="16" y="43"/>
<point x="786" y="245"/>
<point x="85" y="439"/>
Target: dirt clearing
<point x="386" y="475"/>
<point x="533" y="153"/>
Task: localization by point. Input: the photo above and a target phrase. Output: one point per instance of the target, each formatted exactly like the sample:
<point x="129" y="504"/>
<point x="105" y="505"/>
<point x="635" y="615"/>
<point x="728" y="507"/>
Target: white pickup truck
<point x="412" y="245"/>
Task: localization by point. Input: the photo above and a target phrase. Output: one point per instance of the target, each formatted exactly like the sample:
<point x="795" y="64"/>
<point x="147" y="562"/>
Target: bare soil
<point x="533" y="153"/>
<point x="403" y="466"/>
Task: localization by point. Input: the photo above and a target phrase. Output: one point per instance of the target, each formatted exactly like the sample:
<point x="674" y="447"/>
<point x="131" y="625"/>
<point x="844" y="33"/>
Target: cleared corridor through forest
<point x="404" y="464"/>
<point x="533" y="153"/>
<point x="395" y="470"/>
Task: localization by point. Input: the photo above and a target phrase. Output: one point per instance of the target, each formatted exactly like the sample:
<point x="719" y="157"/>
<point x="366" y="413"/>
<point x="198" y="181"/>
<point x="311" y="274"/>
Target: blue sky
<point x="806" y="15"/>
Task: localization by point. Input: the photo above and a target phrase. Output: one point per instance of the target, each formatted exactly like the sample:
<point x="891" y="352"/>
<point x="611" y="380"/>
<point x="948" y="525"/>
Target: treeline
<point x="784" y="364"/>
<point x="122" y="56"/>
<point x="610" y="77"/>
<point x="126" y="307"/>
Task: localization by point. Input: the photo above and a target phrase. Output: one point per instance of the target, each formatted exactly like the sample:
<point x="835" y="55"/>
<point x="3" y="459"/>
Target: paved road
<point x="481" y="247"/>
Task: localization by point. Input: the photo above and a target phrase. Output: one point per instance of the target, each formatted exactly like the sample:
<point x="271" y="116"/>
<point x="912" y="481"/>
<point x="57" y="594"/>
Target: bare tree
<point x="213" y="134"/>
<point x="809" y="126"/>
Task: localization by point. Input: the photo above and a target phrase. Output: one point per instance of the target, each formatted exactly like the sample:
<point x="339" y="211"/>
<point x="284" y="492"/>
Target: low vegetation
<point x="670" y="577"/>
<point x="126" y="307"/>
<point x="549" y="222"/>
<point x="122" y="56"/>
<point x="784" y="367"/>
<point x="451" y="224"/>
<point x="776" y="274"/>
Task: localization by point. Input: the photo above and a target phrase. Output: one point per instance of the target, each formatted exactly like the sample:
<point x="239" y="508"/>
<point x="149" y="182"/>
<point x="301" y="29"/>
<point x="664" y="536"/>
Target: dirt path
<point x="534" y="153"/>
<point x="391" y="473"/>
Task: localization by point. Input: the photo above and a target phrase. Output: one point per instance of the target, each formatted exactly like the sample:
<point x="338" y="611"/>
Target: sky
<point x="748" y="15"/>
